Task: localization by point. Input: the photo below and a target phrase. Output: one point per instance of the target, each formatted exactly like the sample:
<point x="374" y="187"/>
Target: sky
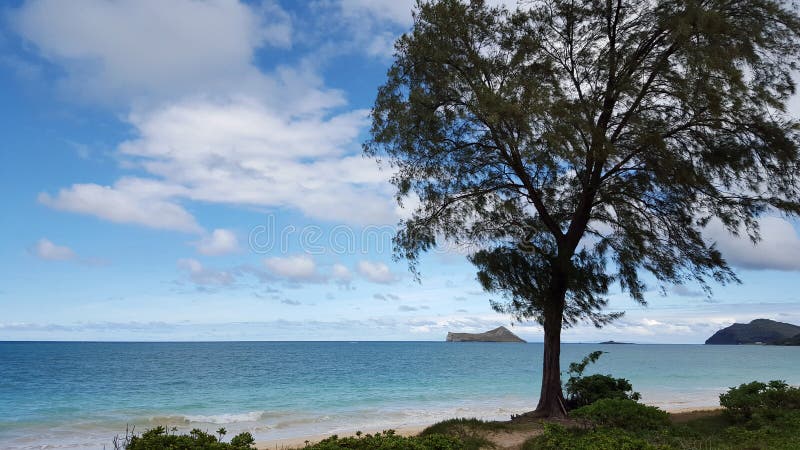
<point x="192" y="170"/>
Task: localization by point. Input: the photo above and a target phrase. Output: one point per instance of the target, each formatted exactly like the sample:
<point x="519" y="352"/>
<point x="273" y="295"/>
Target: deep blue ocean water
<point x="79" y="395"/>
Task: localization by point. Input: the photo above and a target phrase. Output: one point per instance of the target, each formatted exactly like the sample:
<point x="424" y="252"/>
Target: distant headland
<point x="759" y="332"/>
<point x="615" y="343"/>
<point x="499" y="334"/>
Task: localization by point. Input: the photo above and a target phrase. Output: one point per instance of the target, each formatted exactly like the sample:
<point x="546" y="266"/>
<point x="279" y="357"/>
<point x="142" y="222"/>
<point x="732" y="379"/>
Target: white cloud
<point x="377" y="272"/>
<point x="49" y="251"/>
<point x="778" y="249"/>
<point x="341" y="274"/>
<point x="204" y="276"/>
<point x="151" y="48"/>
<point x="239" y="152"/>
<point x="130" y="200"/>
<point x="245" y="152"/>
<point x="219" y="242"/>
<point x="300" y="268"/>
<point x="207" y="123"/>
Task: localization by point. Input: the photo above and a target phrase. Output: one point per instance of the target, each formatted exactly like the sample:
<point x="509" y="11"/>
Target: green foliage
<point x="779" y="431"/>
<point x="707" y="433"/>
<point x="774" y="424"/>
<point x="782" y="432"/>
<point x="634" y="122"/>
<point x="159" y="438"/>
<point x="445" y="426"/>
<point x="589" y="389"/>
<point x="757" y="399"/>
<point x="388" y="440"/>
<point x="556" y="437"/>
<point x="585" y="390"/>
<point x="468" y="431"/>
<point x="524" y="277"/>
<point x="576" y="368"/>
<point x="622" y="413"/>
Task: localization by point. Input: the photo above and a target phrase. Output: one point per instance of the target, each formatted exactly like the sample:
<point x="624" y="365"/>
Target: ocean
<point x="80" y="395"/>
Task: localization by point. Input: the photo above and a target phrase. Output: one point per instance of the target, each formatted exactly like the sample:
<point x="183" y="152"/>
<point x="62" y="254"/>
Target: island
<point x="499" y="334"/>
<point x="758" y="332"/>
<point x="615" y="343"/>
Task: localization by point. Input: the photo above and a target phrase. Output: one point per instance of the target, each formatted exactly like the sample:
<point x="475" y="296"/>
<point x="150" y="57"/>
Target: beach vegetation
<point x="557" y="437"/>
<point x="575" y="145"/>
<point x="161" y="438"/>
<point x="389" y="440"/>
<point x="587" y="390"/>
<point x="582" y="390"/>
<point x="713" y="432"/>
<point x="773" y="423"/>
<point x="758" y="399"/>
<point x="621" y="413"/>
<point x="471" y="432"/>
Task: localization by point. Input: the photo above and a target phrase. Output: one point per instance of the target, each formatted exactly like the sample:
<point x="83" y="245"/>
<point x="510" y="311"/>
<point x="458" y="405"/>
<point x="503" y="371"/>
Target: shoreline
<point x="298" y="442"/>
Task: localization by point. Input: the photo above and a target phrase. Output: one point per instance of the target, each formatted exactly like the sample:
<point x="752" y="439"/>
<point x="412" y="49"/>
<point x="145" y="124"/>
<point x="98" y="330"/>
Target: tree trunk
<point x="551" y="400"/>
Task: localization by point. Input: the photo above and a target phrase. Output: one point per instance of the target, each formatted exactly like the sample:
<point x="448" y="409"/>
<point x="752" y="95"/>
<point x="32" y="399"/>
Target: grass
<point x="471" y="432"/>
<point x="707" y="430"/>
<point x="453" y="425"/>
<point x="714" y="431"/>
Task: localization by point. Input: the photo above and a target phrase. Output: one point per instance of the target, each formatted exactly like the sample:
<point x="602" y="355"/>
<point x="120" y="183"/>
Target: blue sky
<point x="191" y="170"/>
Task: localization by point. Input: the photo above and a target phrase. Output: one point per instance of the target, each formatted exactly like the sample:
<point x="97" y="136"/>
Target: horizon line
<point x="3" y="341"/>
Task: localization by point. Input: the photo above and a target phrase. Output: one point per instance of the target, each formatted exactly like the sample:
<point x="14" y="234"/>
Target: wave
<point x="223" y="418"/>
<point x="252" y="416"/>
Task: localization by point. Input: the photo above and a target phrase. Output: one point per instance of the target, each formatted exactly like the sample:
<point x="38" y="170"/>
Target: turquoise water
<point x="79" y="395"/>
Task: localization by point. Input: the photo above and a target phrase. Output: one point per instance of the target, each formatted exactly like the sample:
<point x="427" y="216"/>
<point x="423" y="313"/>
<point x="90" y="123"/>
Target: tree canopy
<point x="585" y="142"/>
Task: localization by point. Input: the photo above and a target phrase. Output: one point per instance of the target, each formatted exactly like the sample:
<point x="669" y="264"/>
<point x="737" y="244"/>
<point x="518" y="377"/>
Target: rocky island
<point x="759" y="331"/>
<point x="499" y="334"/>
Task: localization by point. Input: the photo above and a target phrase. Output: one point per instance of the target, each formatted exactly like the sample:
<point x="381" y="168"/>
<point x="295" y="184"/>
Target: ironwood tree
<point x="581" y="144"/>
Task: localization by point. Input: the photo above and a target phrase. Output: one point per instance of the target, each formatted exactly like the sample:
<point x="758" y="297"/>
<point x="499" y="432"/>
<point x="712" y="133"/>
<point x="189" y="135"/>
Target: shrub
<point x="585" y="390"/>
<point x="159" y="438"/>
<point x="468" y="431"/>
<point x="556" y="437"/>
<point x="756" y="398"/>
<point x="622" y="413"/>
<point x="388" y="440"/>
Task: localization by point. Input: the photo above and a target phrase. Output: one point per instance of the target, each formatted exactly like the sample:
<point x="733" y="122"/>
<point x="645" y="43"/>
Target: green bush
<point x="582" y="391"/>
<point x="159" y="438"/>
<point x="622" y="413"/>
<point x="585" y="390"/>
<point x="749" y="400"/>
<point x="388" y="440"/>
<point x="556" y="437"/>
<point x="468" y="431"/>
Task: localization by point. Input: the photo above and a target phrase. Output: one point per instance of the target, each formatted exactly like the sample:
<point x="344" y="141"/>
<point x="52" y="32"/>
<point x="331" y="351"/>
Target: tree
<point x="584" y="143"/>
